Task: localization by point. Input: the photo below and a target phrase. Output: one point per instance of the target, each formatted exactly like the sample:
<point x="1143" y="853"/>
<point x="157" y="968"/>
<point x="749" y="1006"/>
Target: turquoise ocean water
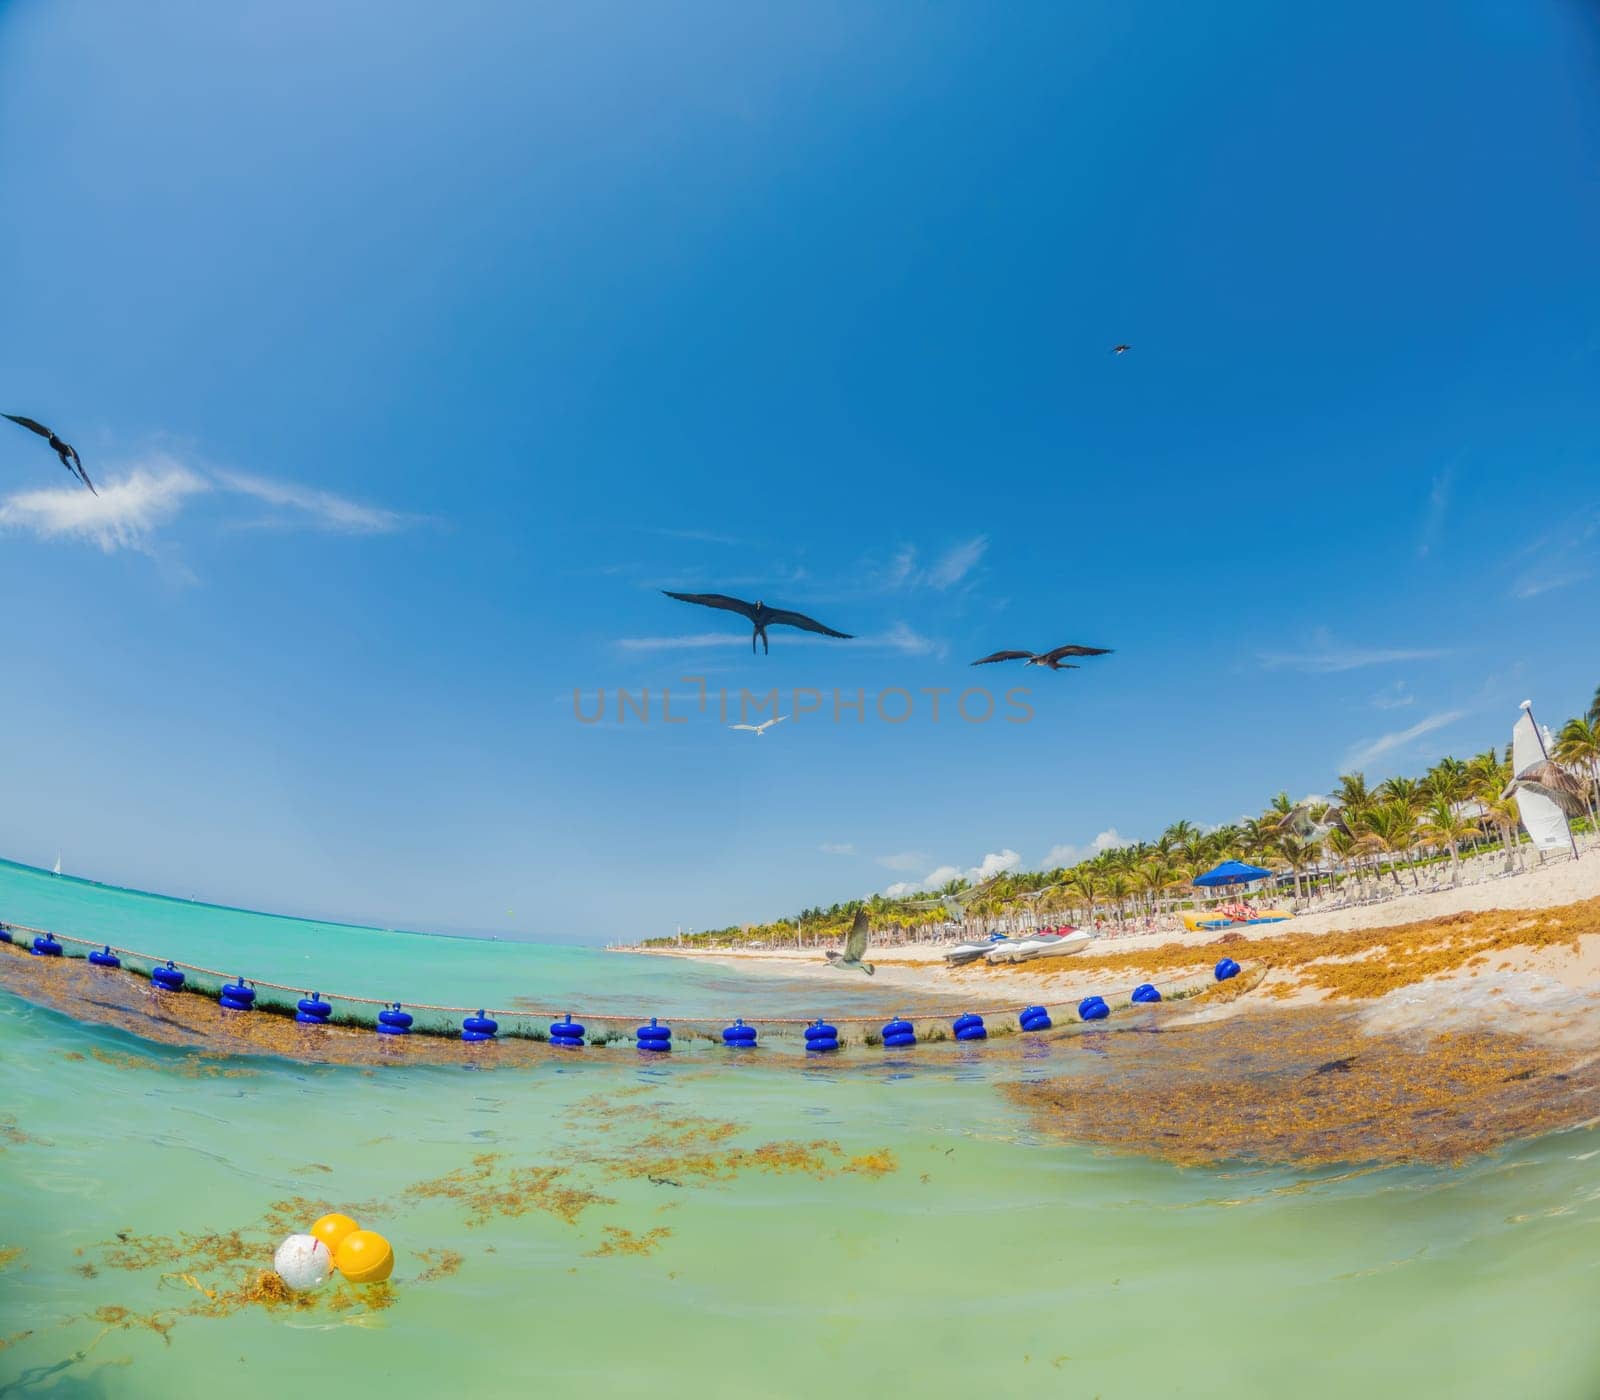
<point x="929" y="1243"/>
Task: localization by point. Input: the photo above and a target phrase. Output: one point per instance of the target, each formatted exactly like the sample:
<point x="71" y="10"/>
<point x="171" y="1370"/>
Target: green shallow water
<point x="986" y="1260"/>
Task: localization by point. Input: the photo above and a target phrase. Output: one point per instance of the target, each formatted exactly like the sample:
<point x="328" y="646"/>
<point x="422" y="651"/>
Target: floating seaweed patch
<point x="9" y="1254"/>
<point x="618" y="1240"/>
<point x="488" y="1189"/>
<point x="437" y="1264"/>
<point x="1249" y="1089"/>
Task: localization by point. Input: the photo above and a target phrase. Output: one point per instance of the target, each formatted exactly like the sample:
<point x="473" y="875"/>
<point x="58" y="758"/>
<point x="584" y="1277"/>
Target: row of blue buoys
<point x="820" y="1037"/>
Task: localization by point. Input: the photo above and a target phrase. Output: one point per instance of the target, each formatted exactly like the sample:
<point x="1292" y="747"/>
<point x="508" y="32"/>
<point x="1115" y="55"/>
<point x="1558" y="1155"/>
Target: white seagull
<point x="855" y="947"/>
<point x="761" y="728"/>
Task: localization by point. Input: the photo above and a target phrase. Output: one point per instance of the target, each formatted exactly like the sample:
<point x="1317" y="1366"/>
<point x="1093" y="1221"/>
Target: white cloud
<point x="837" y="848"/>
<point x="1394" y="697"/>
<point x="904" y="640"/>
<point x="1108" y="840"/>
<point x="320" y="509"/>
<point x="994" y="863"/>
<point x="903" y="860"/>
<point x="1325" y="657"/>
<point x="678" y="643"/>
<point x="1438" y="505"/>
<point x="957" y="562"/>
<point x="950" y="568"/>
<point x="132" y="508"/>
<point x="125" y="515"/>
<point x="1374" y="749"/>
<point x="1536" y="581"/>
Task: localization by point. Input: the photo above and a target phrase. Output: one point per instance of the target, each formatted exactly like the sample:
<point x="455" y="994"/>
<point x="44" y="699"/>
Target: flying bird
<point x="1052" y="659"/>
<point x="761" y="728"/>
<point x="1550" y="780"/>
<point x="1121" y="349"/>
<point x="855" y="947"/>
<point x="760" y="615"/>
<point x="64" y="450"/>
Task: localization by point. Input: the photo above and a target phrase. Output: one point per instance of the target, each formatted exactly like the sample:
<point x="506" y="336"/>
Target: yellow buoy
<point x="364" y="1256"/>
<point x="332" y="1229"/>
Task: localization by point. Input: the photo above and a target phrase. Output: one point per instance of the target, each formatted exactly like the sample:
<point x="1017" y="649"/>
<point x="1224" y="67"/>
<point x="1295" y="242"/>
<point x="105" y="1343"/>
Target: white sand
<point x="921" y="969"/>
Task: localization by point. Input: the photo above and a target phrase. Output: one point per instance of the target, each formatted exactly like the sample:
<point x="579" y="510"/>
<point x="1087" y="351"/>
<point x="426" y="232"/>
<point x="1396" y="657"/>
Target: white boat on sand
<point x="1028" y="949"/>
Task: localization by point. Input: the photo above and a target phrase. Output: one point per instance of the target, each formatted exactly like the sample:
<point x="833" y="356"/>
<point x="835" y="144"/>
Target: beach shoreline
<point x="919" y="969"/>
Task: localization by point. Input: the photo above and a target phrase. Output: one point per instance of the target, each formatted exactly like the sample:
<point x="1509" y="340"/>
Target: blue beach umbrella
<point x="1232" y="872"/>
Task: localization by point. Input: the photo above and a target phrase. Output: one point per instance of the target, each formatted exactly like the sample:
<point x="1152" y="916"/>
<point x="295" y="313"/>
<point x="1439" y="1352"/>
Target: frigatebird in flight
<point x="64" y="450"/>
<point x="1052" y="659"/>
<point x="1121" y="349"/>
<point x="760" y="615"/>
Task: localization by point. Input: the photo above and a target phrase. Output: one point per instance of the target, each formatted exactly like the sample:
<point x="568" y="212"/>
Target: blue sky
<point x="415" y="347"/>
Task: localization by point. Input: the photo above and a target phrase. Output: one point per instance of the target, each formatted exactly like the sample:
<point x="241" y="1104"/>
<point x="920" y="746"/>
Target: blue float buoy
<point x="1035" y="1018"/>
<point x="1226" y="968"/>
<point x="168" y="978"/>
<point x="739" y="1036"/>
<point x="237" y="996"/>
<point x="821" y="1037"/>
<point x="45" y="945"/>
<point x="566" y="1034"/>
<point x="5" y="934"/>
<point x="479" y="1027"/>
<point x="655" y="1037"/>
<point x="312" y="1010"/>
<point x="899" y="1034"/>
<point x="969" y="1027"/>
<point x="394" y="1021"/>
<point x="104" y="959"/>
<point x="1093" y="1008"/>
<point x="1146" y="991"/>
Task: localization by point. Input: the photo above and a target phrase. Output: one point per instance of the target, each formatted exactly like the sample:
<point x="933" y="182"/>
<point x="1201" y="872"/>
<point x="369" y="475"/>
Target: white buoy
<point x="303" y="1262"/>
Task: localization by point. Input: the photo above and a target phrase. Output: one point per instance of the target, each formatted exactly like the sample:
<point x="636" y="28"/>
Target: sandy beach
<point x="1517" y="917"/>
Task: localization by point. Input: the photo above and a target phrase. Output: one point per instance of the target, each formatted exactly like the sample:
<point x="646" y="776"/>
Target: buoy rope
<point x="530" y="1013"/>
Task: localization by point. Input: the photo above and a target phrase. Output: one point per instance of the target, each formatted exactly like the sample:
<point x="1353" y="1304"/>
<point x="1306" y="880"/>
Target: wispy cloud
<point x="906" y="641"/>
<point x="311" y="506"/>
<point x="995" y="863"/>
<point x="837" y="848"/>
<point x="1373" y="749"/>
<point x="903" y="861"/>
<point x="906" y="570"/>
<point x="1324" y="656"/>
<point x="1393" y="697"/>
<point x="125" y="515"/>
<point x="133" y="507"/>
<point x="1067" y="854"/>
<point x="1438" y="506"/>
<point x="1559" y="558"/>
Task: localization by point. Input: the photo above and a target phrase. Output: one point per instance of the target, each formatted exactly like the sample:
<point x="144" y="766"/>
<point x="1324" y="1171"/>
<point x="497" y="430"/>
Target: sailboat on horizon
<point x="56" y="868"/>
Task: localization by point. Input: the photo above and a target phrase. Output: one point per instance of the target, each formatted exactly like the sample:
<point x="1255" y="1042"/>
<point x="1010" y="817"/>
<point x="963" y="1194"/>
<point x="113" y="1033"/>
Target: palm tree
<point x="1594" y="707"/>
<point x="1444" y="825"/>
<point x="1341" y="845"/>
<point x="1300" y="855"/>
<point x="1406" y="790"/>
<point x="1390" y="829"/>
<point x="1353" y="794"/>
